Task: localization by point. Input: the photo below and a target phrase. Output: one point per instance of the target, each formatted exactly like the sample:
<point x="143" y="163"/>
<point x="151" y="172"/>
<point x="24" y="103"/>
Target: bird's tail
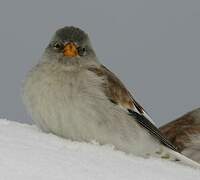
<point x="180" y="158"/>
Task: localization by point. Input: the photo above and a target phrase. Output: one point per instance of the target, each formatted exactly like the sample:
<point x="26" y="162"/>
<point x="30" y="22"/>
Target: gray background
<point x="152" y="45"/>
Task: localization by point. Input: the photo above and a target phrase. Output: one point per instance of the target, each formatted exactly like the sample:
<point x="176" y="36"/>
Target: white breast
<point x="72" y="104"/>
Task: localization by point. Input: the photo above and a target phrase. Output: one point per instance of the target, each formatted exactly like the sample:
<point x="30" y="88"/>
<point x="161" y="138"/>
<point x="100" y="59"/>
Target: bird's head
<point x="70" y="45"/>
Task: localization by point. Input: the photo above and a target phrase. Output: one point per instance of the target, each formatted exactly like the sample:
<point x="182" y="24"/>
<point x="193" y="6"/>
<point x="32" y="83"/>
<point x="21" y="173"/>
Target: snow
<point x="26" y="153"/>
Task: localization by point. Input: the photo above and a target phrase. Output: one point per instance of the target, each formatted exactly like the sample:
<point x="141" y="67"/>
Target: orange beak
<point x="70" y="50"/>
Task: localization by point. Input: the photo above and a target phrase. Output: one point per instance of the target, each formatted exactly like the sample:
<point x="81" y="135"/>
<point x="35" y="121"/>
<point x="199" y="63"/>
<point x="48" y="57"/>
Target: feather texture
<point x="184" y="132"/>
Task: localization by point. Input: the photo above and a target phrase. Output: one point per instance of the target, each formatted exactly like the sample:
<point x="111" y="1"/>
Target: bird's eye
<point x="81" y="51"/>
<point x="58" y="46"/>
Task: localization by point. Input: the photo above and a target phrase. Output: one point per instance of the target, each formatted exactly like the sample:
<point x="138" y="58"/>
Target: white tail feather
<point x="180" y="158"/>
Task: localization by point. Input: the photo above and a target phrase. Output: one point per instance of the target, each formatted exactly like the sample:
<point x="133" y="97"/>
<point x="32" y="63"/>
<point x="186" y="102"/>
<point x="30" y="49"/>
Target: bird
<point x="71" y="94"/>
<point x="184" y="133"/>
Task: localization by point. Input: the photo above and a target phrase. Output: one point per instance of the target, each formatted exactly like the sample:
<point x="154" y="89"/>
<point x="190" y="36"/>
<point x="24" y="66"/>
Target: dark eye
<point x="57" y="45"/>
<point x="81" y="51"/>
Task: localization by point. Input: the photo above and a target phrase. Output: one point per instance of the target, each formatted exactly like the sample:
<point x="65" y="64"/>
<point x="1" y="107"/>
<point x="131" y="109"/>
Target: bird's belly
<point x="79" y="110"/>
<point x="76" y="118"/>
<point x="67" y="105"/>
<point x="81" y="119"/>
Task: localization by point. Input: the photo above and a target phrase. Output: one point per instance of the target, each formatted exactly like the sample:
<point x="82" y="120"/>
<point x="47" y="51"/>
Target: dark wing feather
<point x="153" y="130"/>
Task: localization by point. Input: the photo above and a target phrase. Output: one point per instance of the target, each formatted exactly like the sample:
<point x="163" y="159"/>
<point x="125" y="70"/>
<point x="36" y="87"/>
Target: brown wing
<point x="180" y="131"/>
<point x="115" y="89"/>
<point x="118" y="94"/>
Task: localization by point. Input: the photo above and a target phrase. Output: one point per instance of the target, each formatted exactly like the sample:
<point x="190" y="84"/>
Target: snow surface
<point x="26" y="153"/>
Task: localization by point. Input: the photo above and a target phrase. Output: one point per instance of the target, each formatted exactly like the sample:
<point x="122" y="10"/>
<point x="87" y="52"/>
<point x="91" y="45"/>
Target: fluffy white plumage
<point x="77" y="98"/>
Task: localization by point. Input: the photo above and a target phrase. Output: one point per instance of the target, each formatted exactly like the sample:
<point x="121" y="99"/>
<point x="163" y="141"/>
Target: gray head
<point x="70" y="45"/>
